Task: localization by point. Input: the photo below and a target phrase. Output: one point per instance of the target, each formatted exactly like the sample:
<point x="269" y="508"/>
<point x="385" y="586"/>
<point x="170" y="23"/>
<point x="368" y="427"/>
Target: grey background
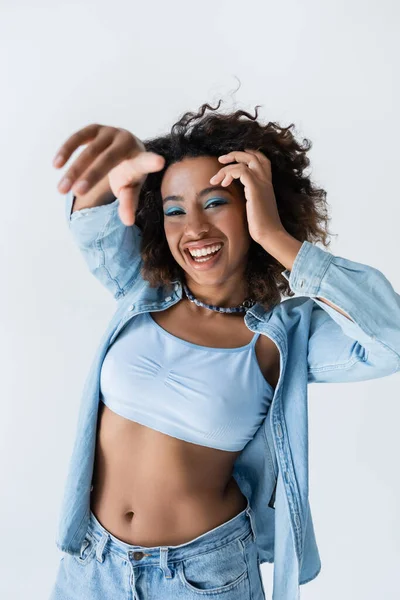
<point x="332" y="69"/>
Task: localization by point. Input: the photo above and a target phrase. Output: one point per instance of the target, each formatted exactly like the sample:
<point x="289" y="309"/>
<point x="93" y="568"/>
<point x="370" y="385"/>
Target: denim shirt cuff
<point x="84" y="212"/>
<point x="308" y="269"/>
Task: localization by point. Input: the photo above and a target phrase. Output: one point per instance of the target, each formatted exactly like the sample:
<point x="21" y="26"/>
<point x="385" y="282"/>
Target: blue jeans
<point x="219" y="564"/>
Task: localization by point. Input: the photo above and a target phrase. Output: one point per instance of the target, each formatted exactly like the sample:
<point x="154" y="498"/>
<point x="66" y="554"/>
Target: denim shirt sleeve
<point x="340" y="350"/>
<point x="110" y="248"/>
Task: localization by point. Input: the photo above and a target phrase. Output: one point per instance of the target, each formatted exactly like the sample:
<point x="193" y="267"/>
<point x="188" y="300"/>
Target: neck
<point x="220" y="297"/>
<point x="215" y="297"/>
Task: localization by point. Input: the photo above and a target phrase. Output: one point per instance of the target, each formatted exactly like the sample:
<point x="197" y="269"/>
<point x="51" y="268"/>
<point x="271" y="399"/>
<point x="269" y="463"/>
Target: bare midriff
<point x="151" y="489"/>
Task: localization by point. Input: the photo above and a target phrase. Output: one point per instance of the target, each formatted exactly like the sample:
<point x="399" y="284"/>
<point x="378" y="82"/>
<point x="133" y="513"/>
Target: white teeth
<point x="203" y="259"/>
<point x="205" y="251"/>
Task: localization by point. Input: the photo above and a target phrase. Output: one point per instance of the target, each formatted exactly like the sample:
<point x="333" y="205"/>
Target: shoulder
<point x="294" y="308"/>
<point x="291" y="318"/>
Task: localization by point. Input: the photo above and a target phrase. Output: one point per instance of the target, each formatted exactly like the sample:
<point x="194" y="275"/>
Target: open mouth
<point x="205" y="261"/>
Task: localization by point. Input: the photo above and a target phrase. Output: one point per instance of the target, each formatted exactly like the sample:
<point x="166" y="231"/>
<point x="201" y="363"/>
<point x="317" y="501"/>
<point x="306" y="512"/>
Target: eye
<point x="174" y="212"/>
<point x="217" y="202"/>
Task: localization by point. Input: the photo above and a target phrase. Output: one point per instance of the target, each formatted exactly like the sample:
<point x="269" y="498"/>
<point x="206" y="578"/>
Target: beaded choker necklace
<point x="243" y="307"/>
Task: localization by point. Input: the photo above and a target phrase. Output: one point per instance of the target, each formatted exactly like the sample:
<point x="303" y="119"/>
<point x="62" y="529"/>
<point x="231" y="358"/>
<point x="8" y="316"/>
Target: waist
<point x="164" y="519"/>
<point x="239" y="525"/>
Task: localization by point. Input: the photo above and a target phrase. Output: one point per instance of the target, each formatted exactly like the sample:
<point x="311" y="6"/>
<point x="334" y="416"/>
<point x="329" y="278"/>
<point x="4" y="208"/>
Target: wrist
<point x="282" y="246"/>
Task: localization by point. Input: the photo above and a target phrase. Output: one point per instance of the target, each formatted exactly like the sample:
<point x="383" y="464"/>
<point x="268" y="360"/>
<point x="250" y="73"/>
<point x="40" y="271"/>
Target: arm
<point x="110" y="249"/>
<point x="355" y="320"/>
<point x="285" y="251"/>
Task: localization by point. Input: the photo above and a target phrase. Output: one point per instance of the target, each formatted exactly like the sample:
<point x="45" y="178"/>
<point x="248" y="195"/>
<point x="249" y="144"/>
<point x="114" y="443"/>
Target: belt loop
<point x="100" y="546"/>
<point x="164" y="562"/>
<point x="250" y="514"/>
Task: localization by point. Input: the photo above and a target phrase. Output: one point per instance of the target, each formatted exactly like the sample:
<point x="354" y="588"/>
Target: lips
<point x="202" y="244"/>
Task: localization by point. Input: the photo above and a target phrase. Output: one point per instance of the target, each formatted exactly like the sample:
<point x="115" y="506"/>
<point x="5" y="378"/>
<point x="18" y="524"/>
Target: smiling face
<point x="216" y="216"/>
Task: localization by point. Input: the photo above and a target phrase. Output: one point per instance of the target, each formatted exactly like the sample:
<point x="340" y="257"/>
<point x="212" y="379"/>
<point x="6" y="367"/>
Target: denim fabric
<point x="221" y="563"/>
<point x="317" y="344"/>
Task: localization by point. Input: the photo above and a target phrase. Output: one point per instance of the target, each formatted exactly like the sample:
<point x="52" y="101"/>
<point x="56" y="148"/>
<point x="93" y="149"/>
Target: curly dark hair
<point x="302" y="207"/>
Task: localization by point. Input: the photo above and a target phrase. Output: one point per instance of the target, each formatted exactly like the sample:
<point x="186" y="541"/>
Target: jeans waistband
<point x="236" y="527"/>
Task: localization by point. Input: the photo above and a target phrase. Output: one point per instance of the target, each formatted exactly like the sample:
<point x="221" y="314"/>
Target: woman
<point x="196" y="208"/>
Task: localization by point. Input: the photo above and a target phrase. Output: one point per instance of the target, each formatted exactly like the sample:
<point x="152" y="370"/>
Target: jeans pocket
<point x="222" y="569"/>
<point x="88" y="549"/>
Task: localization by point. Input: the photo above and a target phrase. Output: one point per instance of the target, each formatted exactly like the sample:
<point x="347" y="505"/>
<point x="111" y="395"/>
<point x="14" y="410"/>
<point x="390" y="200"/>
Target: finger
<point x="128" y="198"/>
<point x="131" y="175"/>
<point x="238" y="156"/>
<point x="219" y="176"/>
<point x="226" y="175"/>
<point x="110" y="149"/>
<point x="134" y="170"/>
<point x="251" y="151"/>
<point x="247" y="158"/>
<point x="227" y="180"/>
<point x="83" y="136"/>
<point x="86" y="159"/>
<point x="234" y="172"/>
<point x="264" y="160"/>
<point x="242" y="173"/>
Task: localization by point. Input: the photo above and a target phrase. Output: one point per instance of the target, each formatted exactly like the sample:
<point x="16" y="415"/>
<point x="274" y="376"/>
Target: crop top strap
<point x="255" y="338"/>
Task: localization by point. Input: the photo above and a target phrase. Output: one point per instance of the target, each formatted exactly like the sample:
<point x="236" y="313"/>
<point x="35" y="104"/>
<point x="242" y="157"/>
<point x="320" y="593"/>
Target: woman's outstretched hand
<point x="111" y="152"/>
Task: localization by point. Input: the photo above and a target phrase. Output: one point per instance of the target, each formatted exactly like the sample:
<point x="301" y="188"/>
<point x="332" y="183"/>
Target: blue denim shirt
<point x="317" y="344"/>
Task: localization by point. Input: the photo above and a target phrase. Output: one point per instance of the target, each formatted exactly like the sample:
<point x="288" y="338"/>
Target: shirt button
<point x="132" y="306"/>
<point x="287" y="476"/>
<point x="168" y="298"/>
<point x="176" y="286"/>
<point x="297" y="520"/>
<point x="279" y="430"/>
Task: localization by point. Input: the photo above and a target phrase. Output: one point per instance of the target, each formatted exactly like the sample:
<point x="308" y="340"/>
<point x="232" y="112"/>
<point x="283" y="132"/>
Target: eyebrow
<point x="207" y="190"/>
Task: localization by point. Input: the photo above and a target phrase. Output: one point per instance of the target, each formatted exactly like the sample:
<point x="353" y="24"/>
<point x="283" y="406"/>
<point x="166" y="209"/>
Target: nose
<point x="196" y="223"/>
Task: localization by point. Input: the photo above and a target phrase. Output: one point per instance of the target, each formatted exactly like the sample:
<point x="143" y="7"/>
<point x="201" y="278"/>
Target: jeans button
<point x="138" y="555"/>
